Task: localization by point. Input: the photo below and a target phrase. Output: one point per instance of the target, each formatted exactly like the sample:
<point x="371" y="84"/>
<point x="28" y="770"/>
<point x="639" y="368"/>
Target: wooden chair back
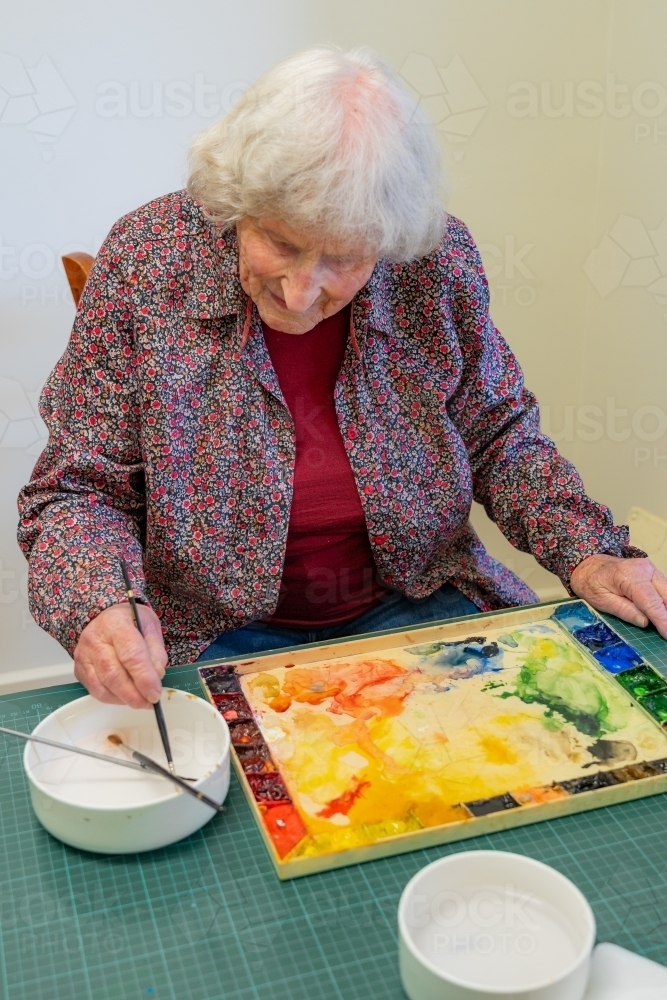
<point x="77" y="267"/>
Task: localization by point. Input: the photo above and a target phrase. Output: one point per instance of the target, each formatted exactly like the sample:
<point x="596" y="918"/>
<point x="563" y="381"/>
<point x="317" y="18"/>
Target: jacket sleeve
<point x="534" y="495"/>
<point x="85" y="505"/>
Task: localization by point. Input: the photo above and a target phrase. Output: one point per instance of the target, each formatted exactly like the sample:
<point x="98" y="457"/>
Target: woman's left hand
<point x="631" y="589"/>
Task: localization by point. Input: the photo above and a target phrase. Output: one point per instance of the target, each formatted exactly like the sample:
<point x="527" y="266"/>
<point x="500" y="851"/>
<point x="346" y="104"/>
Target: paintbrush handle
<point x="73" y="749"/>
<point x="157" y="707"/>
<point x="164" y="736"/>
<point x="129" y="593"/>
<point x="152" y="765"/>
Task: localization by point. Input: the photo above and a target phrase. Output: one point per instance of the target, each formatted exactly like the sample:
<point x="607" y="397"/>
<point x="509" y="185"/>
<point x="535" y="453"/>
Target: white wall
<point x="121" y="88"/>
<point x="567" y="207"/>
<point x="553" y="118"/>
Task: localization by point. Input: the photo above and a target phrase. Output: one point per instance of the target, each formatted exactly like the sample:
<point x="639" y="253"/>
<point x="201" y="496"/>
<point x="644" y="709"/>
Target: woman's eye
<point x="283" y="247"/>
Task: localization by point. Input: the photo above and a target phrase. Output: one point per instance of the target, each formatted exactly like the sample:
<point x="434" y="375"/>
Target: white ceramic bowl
<point x="112" y="810"/>
<point x="488" y="925"/>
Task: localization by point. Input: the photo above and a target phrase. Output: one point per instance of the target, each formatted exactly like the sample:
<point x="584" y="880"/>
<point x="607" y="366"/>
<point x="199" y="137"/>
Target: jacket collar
<point x="215" y="289"/>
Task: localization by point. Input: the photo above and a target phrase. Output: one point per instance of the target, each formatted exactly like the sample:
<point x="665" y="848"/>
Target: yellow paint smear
<point x="401" y="744"/>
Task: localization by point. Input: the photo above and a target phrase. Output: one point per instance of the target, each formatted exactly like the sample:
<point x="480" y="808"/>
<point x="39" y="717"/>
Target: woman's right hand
<point x="115" y="663"/>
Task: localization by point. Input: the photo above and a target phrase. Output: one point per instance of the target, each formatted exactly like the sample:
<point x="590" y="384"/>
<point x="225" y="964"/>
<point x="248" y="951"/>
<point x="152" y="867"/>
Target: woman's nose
<point x="301" y="289"/>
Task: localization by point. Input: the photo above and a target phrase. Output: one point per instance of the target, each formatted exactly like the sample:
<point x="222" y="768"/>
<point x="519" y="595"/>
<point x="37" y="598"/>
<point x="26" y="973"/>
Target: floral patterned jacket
<point x="170" y="441"/>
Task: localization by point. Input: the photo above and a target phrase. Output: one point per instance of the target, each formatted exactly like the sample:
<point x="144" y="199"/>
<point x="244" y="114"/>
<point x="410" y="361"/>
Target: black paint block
<point x="590" y="783"/>
<point x="499" y="803"/>
<point x="221" y="680"/>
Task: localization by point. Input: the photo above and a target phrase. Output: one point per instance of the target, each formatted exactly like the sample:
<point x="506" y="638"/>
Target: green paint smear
<point x="508" y="640"/>
<point x="554" y="674"/>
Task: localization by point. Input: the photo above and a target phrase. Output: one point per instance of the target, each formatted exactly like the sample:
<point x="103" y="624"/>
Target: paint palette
<point x="392" y="742"/>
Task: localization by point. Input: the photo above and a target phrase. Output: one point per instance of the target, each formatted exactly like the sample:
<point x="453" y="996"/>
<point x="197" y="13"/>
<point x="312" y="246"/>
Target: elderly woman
<point x="282" y="393"/>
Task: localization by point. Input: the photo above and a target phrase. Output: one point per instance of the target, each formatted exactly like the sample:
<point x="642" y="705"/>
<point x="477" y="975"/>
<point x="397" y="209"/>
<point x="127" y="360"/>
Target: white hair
<point x="332" y="144"/>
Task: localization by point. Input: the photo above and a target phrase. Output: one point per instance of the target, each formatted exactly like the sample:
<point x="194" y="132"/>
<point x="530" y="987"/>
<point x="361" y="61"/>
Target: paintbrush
<point x="73" y="749"/>
<point x="152" y="765"/>
<point x="159" y="714"/>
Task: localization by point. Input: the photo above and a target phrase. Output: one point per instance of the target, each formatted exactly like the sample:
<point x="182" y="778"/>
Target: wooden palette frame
<point x="476" y="826"/>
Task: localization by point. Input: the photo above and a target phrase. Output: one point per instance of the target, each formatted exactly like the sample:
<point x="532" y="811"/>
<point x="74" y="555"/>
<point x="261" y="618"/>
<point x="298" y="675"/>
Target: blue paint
<point x="596" y="636"/>
<point x="575" y="615"/>
<point x="618" y="657"/>
<point x="462" y="659"/>
<point x="608" y="648"/>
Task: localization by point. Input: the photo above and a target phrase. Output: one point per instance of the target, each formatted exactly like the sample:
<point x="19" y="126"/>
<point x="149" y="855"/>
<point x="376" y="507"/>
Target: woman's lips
<point x="280" y="302"/>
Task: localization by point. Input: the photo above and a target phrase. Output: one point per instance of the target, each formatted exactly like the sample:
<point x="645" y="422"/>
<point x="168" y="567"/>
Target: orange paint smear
<point x="285" y="827"/>
<point x="357" y="733"/>
<point x="536" y="796"/>
<point x="343" y="803"/>
<point x="310" y="685"/>
<point x="280" y="703"/>
<point x="362" y="690"/>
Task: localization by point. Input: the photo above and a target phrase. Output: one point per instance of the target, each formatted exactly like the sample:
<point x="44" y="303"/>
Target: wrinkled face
<point x="294" y="280"/>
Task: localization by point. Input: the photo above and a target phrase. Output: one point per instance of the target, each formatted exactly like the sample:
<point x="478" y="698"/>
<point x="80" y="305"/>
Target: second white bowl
<point x="489" y="925"/>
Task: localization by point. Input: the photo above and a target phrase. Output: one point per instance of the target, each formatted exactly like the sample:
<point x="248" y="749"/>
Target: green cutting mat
<point x="208" y="918"/>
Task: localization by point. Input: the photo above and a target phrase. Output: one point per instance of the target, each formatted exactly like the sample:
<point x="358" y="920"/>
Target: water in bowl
<point x="493" y="936"/>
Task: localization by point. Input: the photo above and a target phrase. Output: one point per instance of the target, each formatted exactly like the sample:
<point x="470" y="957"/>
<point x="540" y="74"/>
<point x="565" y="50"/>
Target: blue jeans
<point x="396" y="611"/>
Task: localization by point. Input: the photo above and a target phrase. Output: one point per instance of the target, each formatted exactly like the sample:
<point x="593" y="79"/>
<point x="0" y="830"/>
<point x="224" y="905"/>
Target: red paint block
<point x="285" y="827"/>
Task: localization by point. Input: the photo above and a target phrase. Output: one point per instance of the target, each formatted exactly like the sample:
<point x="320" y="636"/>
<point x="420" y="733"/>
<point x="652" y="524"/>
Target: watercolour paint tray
<point x="392" y="742"/>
